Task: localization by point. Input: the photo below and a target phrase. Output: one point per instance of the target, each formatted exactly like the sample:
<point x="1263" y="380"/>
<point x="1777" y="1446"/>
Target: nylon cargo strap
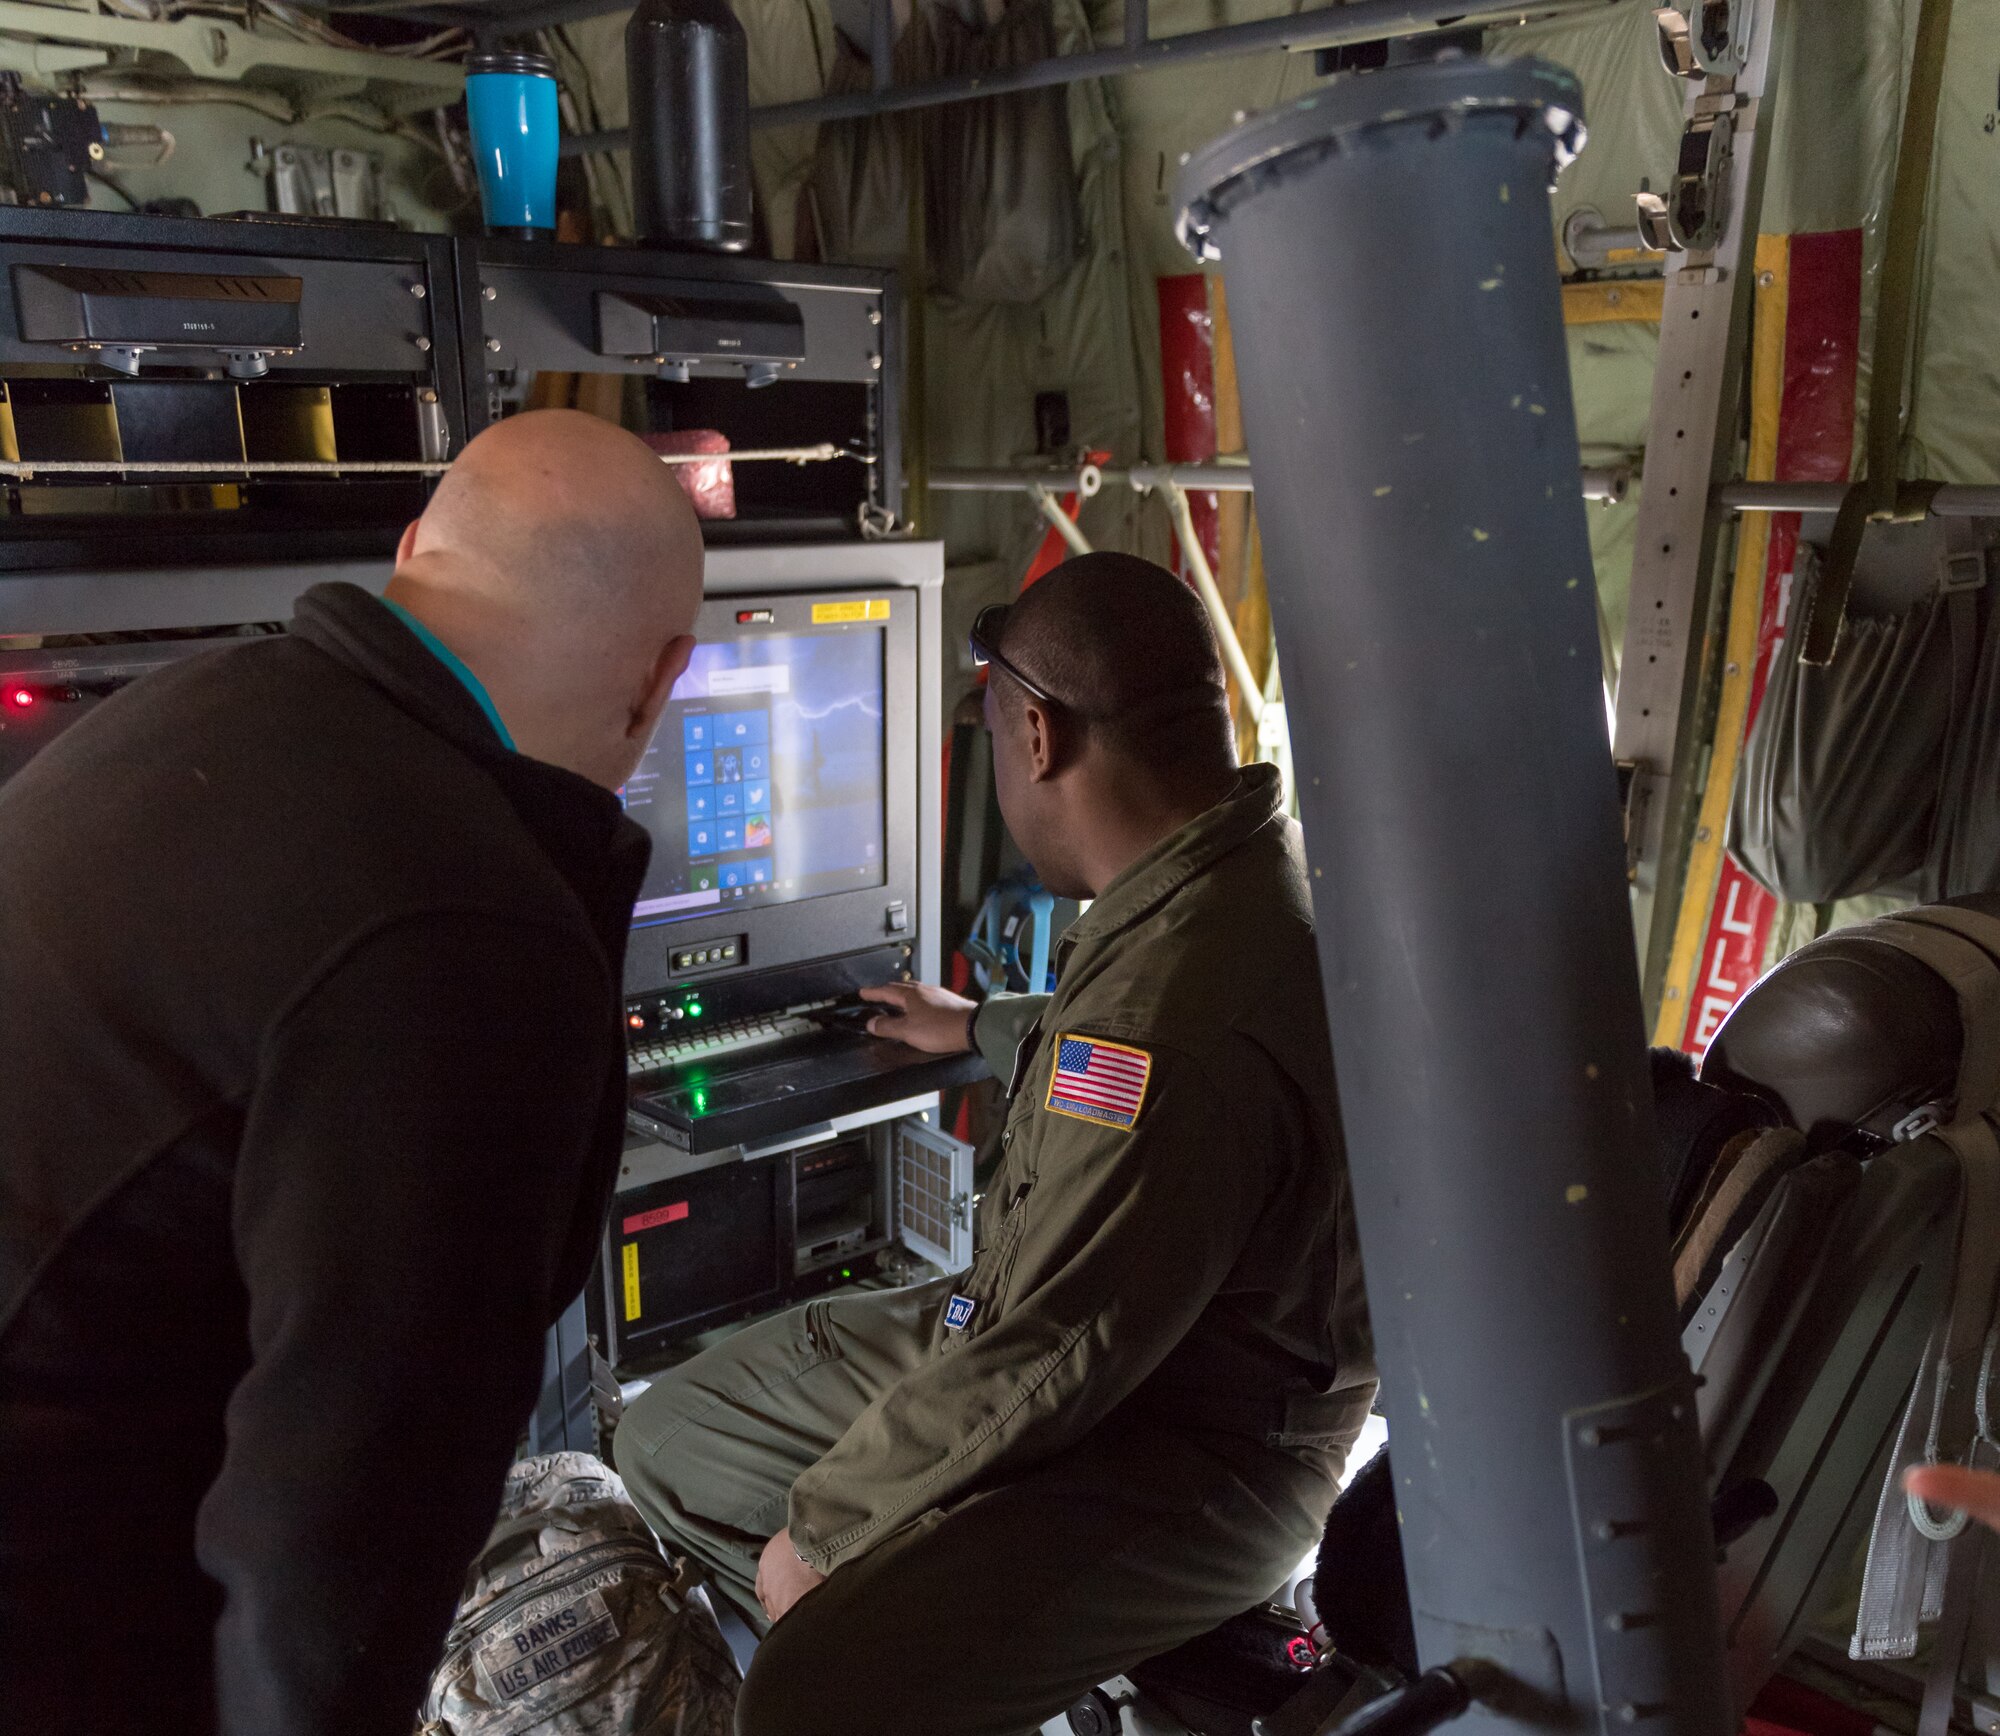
<point x="1918" y="1569"/>
<point x="1874" y="494"/>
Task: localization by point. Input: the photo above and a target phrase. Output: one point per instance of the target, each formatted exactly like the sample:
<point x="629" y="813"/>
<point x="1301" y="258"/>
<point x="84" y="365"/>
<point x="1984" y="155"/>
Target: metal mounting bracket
<point x="1706" y="38"/>
<point x="1692" y="215"/>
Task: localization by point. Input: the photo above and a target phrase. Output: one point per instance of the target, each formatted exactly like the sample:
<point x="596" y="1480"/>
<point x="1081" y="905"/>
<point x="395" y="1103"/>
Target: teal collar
<point x="456" y="664"/>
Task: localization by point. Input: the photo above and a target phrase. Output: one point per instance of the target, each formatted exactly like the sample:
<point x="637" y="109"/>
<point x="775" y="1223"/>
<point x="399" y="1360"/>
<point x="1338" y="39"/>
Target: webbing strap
<point x="1961" y="1588"/>
<point x="1874" y="494"/>
<point x="1963" y="947"/>
<point x="1967" y="1324"/>
<point x="1909" y="1549"/>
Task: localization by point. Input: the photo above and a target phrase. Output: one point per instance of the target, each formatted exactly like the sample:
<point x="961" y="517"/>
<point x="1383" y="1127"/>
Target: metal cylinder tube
<point x="1393" y="292"/>
<point x="687" y="71"/>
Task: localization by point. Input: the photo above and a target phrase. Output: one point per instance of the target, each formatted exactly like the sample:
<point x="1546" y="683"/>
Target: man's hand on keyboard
<point x="926" y="1017"/>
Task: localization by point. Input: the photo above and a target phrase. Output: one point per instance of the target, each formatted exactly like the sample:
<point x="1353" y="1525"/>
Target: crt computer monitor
<point x="780" y="794"/>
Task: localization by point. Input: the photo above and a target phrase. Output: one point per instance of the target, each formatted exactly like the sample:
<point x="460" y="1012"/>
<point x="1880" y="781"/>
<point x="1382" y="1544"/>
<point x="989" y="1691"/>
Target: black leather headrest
<point x="1695" y="1121"/>
<point x="1849" y="1031"/>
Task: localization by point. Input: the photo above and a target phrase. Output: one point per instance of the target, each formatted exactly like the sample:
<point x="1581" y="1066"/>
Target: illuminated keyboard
<point x="716" y="1041"/>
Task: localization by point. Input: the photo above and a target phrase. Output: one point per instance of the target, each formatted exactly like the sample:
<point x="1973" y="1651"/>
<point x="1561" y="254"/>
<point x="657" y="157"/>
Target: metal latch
<point x="1963" y="571"/>
<point x="1690" y="218"/>
<point x="1705" y="38"/>
<point x="1920" y="1121"/>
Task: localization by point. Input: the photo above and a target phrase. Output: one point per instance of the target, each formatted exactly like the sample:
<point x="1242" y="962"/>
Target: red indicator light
<point x="20" y="697"/>
<point x="636" y="1020"/>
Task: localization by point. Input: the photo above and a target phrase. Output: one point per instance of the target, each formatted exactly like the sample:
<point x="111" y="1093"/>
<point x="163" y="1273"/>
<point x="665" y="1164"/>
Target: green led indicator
<point x="847" y="1271"/>
<point x="694" y="1009"/>
<point x="701" y="1102"/>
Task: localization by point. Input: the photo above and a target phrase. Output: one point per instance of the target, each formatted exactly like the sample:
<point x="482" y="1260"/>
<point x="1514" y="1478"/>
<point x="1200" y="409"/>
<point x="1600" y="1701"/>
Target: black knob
<point x="1096" y="1714"/>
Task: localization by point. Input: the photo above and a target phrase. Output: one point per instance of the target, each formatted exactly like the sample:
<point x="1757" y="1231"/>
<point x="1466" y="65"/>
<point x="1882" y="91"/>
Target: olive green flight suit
<point x="1123" y="1424"/>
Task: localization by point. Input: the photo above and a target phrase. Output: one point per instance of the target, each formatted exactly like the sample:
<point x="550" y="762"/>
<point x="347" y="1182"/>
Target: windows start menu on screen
<point x="726" y="758"/>
<point x="764" y="781"/>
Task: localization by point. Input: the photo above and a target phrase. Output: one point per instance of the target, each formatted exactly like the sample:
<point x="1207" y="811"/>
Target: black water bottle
<point x="687" y="63"/>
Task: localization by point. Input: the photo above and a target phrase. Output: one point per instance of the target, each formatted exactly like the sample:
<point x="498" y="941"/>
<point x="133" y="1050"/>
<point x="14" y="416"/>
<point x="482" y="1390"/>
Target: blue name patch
<point x="958" y="1313"/>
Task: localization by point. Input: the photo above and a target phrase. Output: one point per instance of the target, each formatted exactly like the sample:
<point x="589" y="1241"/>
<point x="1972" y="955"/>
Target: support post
<point x="1064" y="526"/>
<point x="1406" y="401"/>
<point x="1248" y="688"/>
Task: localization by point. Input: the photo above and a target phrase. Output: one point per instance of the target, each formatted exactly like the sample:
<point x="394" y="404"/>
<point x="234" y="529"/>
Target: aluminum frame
<point x="1690" y="452"/>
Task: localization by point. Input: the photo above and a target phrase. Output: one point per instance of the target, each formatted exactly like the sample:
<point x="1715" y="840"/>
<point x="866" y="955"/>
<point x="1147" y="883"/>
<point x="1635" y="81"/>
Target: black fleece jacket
<point x="310" y="1099"/>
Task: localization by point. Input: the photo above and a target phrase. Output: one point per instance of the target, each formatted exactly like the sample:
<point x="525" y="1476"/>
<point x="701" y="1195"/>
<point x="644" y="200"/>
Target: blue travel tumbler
<point x="510" y="100"/>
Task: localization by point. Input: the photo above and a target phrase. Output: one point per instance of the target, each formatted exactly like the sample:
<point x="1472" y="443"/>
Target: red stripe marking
<point x="658" y="1215"/>
<point x="1111" y="1075"/>
<point x="1815" y="443"/>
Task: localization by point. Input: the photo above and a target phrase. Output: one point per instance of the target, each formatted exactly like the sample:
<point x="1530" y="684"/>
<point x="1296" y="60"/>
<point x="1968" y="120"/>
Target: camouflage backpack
<point x="573" y="1622"/>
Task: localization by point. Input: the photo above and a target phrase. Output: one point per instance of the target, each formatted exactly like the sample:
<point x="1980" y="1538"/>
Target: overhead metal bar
<point x="1089" y="478"/>
<point x="1605" y="483"/>
<point x="1325" y="27"/>
<point x="1951" y="500"/>
<point x="1220" y="477"/>
<point x="1709" y="217"/>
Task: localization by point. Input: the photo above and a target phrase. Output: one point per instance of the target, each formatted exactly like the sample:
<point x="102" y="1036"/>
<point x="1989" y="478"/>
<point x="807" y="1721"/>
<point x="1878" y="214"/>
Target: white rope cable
<point x="28" y="469"/>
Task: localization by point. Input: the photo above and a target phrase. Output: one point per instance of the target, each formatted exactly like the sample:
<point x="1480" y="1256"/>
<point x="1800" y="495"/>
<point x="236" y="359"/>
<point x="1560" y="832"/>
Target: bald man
<point x="310" y="1101"/>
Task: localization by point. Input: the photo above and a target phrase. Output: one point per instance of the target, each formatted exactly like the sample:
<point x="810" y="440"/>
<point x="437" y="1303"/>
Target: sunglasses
<point x="987" y="626"/>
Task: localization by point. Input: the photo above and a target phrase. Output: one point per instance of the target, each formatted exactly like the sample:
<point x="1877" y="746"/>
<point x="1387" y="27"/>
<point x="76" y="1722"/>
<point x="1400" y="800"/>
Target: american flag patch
<point x="1098" y="1081"/>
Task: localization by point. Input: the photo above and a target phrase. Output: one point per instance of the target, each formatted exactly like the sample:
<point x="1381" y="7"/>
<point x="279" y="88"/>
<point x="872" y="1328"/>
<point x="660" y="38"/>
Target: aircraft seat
<point x="1843" y="1342"/>
<point x="1834" y="1186"/>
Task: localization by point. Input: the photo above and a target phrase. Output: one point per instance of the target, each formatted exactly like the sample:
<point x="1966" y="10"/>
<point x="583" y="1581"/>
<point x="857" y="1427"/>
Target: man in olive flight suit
<point x="963" y="1504"/>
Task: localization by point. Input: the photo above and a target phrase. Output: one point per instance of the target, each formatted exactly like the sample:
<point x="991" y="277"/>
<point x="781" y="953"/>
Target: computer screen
<point x="764" y="781"/>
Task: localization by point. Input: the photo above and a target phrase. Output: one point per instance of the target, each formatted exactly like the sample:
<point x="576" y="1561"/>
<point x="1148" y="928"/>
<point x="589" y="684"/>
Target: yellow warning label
<point x="631" y="1258"/>
<point x="861" y="609"/>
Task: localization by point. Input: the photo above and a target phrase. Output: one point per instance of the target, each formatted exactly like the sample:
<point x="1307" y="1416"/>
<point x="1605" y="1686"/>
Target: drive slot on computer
<point x="837" y="1202"/>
